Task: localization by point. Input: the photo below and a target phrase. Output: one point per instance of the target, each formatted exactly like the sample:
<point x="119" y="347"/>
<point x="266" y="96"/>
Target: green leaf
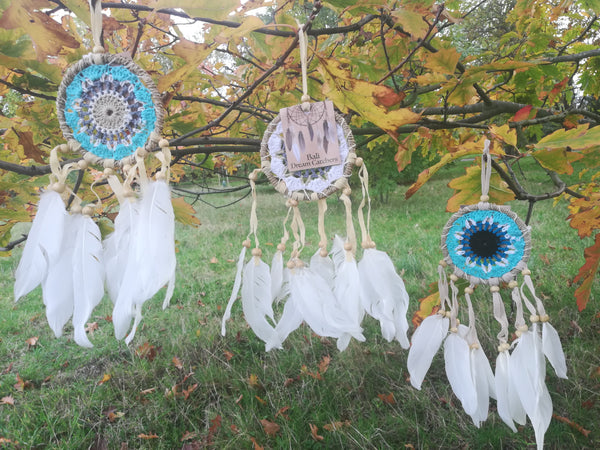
<point x="559" y="159"/>
<point x="184" y="212"/>
<point x="577" y="138"/>
<point x="444" y="61"/>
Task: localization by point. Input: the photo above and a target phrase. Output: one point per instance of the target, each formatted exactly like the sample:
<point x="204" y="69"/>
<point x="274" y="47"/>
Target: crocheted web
<point x="109" y="110"/>
<point x="485" y="243"/>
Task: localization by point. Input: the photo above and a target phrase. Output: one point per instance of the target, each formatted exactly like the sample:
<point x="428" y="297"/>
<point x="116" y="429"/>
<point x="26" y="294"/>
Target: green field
<point x="180" y="384"/>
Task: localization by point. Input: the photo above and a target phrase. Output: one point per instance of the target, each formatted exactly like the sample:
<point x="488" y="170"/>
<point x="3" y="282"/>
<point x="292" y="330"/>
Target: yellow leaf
<point x="193" y="54"/>
<point x="184" y="212"/>
<point x="559" y="159"/>
<point x="361" y="96"/>
<point x="249" y="24"/>
<point x="218" y="9"/>
<point x="468" y="189"/>
<point x="443" y="61"/>
<point x="505" y="134"/>
<point x="427" y="306"/>
<point x="48" y="35"/>
<point x="105" y="378"/>
<point x="412" y="22"/>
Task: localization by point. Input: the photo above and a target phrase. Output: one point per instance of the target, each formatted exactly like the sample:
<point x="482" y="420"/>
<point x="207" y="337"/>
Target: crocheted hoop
<point x="486" y="243"/>
<point x="310" y="184"/>
<point x="108" y="107"/>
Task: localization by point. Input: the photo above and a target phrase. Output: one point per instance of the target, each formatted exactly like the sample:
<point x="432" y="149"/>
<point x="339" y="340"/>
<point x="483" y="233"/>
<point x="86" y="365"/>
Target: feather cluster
<point x="65" y="253"/>
<point x="518" y="384"/>
<point x="331" y="294"/>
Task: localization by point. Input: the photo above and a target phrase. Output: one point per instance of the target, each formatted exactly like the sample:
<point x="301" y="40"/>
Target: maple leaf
<point x="523" y="114"/>
<point x="587" y="273"/>
<point x="314" y="432"/>
<point x="21" y="384"/>
<point x="270" y="428"/>
<point x="147" y="351"/>
<point x="427" y="306"/>
<point x="184" y="212"/>
<point x="8" y="400"/>
<point x="91" y="327"/>
<point x="324" y="364"/>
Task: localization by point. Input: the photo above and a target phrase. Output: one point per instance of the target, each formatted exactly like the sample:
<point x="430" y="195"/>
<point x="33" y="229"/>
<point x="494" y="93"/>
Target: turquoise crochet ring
<point x="108" y="107"/>
<point x="486" y="243"/>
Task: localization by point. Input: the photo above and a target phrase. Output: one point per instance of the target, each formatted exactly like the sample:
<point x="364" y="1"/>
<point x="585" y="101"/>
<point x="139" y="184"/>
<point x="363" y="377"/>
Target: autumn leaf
<point x="106" y="377"/>
<point x="253" y="381"/>
<point x="91" y="327"/>
<point x="270" y="428"/>
<point x="558" y="160"/>
<point x="21" y="384"/>
<point x="228" y="355"/>
<point x="585" y="215"/>
<point x="578" y="138"/>
<point x="443" y="61"/>
<point x="283" y="413"/>
<point x="255" y="444"/>
<point x="314" y="432"/>
<point x="201" y="8"/>
<point x="8" y="400"/>
<point x="468" y="189"/>
<point x="30" y="150"/>
<point x="411" y="21"/>
<point x="188" y="436"/>
<point x="177" y="363"/>
<point x="324" y="364"/>
<point x="504" y="133"/>
<point x="572" y="424"/>
<point x="427" y="306"/>
<point x="349" y="93"/>
<point x="184" y="212"/>
<point x="387" y="398"/>
<point x="523" y="114"/>
<point x="587" y="273"/>
<point x="148" y="436"/>
<point x="32" y="342"/>
<point x="147" y="351"/>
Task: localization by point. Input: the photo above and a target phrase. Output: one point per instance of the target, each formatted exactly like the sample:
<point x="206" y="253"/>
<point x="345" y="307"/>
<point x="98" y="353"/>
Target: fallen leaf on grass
<point x="21" y="384"/>
<point x="324" y="364"/>
<point x="186" y="392"/>
<point x="387" y="398"/>
<point x="572" y="424"/>
<point x="147" y="351"/>
<point x="256" y="445"/>
<point x="314" y="432"/>
<point x="177" y="363"/>
<point x="262" y="402"/>
<point x="8" y="369"/>
<point x="335" y="426"/>
<point x="271" y="428"/>
<point x="32" y="342"/>
<point x="214" y="260"/>
<point x="105" y="378"/>
<point x="228" y="355"/>
<point x="8" y="400"/>
<point x="283" y="413"/>
<point x="148" y="436"/>
<point x="91" y="327"/>
<point x="253" y="381"/>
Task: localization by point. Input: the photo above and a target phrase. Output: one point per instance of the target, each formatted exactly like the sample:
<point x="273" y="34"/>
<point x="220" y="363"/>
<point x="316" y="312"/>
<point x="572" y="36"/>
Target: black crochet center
<point x="484" y="244"/>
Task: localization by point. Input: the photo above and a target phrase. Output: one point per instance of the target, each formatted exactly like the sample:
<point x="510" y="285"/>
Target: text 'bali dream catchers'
<point x="307" y="154"/>
<point x="110" y="111"/>
<point x="487" y="244"/>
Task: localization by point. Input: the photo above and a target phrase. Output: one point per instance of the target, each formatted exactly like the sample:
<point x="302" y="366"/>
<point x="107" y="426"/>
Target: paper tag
<point x="310" y="137"/>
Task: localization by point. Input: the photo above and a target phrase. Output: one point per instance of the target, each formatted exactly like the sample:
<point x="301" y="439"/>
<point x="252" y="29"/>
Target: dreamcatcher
<point x="110" y="112"/>
<point x="307" y="154"/>
<point x="487" y="244"/>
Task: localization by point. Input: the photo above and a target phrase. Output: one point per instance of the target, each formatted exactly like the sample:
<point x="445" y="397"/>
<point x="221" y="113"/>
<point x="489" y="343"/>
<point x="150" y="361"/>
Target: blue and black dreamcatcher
<point x="489" y="245"/>
<point x="109" y="111"/>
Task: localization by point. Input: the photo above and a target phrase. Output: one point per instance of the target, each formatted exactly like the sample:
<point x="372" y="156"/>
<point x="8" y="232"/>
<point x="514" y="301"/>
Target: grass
<point x="182" y="383"/>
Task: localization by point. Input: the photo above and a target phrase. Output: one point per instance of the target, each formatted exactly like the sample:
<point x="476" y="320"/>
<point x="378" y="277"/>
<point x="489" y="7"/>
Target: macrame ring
<point x="312" y="184"/>
<point x="486" y="243"/>
<point x="108" y="107"/>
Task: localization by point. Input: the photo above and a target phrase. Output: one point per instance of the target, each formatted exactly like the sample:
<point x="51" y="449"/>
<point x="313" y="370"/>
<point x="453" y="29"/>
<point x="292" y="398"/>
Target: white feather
<point x="57" y="286"/>
<point x="338" y="254"/>
<point x="384" y="294"/>
<point x="553" y="350"/>
<point x="88" y="275"/>
<point x="458" y="370"/>
<point x="528" y="376"/>
<point x="46" y="231"/>
<point x="236" y="289"/>
<point x="480" y="374"/>
<point x="256" y="298"/>
<point x="156" y="240"/>
<point x="324" y="267"/>
<point x="502" y="383"/>
<point x="347" y="290"/>
<point x="276" y="275"/>
<point x="426" y="341"/>
<point x="117" y="247"/>
<point x="290" y="320"/>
